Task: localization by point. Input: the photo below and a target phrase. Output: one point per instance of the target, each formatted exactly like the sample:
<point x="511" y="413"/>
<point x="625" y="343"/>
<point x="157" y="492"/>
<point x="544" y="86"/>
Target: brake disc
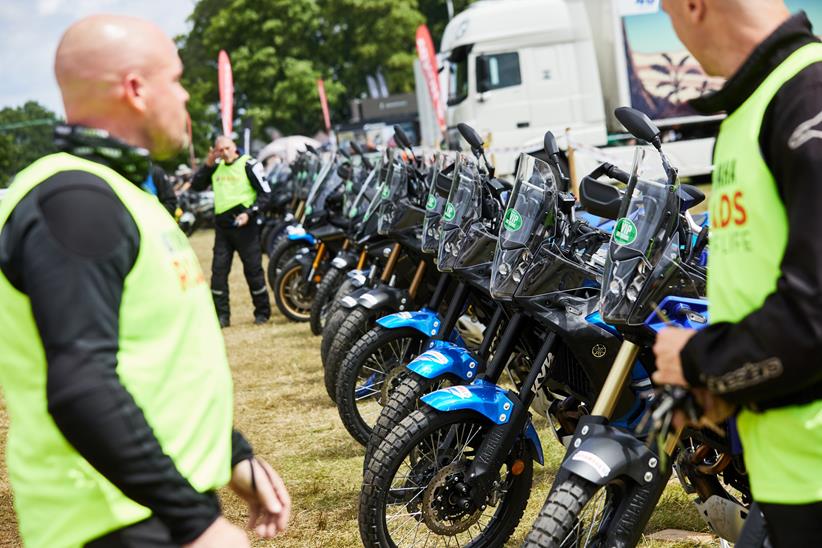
<point x="441" y="502"/>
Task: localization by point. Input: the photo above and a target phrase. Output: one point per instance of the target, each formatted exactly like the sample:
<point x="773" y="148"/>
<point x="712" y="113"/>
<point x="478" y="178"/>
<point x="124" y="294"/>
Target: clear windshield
<point x="327" y="165"/>
<point x="366" y="193"/>
<point x="638" y="241"/>
<point x="463" y="203"/>
<point x="392" y="195"/>
<point x="532" y="205"/>
<point x="461" y="209"/>
<point x="434" y="204"/>
<point x="382" y="187"/>
<point x="529" y="216"/>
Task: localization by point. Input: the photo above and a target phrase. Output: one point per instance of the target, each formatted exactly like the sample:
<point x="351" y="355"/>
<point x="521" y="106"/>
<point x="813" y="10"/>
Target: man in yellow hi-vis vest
<point x="762" y="348"/>
<point x="241" y="194"/>
<point x="113" y="365"/>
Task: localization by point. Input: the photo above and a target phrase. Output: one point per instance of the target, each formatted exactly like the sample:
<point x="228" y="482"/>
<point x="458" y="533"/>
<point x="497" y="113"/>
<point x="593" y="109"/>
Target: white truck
<point x="517" y="68"/>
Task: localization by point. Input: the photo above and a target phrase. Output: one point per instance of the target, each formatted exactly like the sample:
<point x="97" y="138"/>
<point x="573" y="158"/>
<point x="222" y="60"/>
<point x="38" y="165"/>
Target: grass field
<point x="281" y="406"/>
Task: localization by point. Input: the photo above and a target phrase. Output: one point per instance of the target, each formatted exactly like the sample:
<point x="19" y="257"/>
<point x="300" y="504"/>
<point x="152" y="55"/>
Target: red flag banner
<point x="226" y="85"/>
<point x="428" y="64"/>
<point x="324" y="104"/>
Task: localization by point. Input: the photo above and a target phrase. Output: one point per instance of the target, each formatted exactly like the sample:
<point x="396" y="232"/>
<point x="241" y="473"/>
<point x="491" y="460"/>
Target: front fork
<point x="499" y="442"/>
<point x="309" y="279"/>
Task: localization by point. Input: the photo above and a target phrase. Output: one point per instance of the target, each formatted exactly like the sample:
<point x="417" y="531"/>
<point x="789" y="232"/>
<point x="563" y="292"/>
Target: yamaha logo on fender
<point x="599" y="350"/>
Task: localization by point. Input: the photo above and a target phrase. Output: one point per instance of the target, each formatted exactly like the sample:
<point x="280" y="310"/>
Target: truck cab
<point x="517" y="68"/>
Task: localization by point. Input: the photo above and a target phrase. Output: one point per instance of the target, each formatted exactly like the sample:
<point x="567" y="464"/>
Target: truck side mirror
<point x="639" y="125"/>
<point x="483" y="80"/>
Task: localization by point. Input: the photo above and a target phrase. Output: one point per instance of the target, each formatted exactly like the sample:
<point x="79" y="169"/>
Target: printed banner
<point x="324" y="104"/>
<point x="428" y="64"/>
<point x="226" y="85"/>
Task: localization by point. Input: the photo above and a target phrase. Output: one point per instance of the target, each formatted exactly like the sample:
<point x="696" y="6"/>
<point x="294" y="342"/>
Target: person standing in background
<point x="241" y="193"/>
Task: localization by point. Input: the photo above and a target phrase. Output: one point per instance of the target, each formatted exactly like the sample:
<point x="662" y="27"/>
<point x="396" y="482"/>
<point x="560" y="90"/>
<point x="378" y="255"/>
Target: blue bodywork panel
<point x="298" y="233"/>
<point x="485" y="398"/>
<point x="595" y="318"/>
<point x="426" y="321"/>
<point x="679" y="312"/>
<point x="443" y="358"/>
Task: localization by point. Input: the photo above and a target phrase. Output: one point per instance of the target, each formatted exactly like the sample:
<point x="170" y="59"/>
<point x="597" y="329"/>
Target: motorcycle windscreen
<point x="438" y="191"/>
<point x="382" y="186"/>
<point x="638" y="243"/>
<point x="317" y="184"/>
<point x="477" y="246"/>
<point x="529" y="219"/>
<point x="461" y="209"/>
<point x="393" y="197"/>
<point x="359" y="205"/>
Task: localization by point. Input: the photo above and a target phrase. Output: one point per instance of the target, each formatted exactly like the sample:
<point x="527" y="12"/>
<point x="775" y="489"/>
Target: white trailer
<point x="517" y="68"/>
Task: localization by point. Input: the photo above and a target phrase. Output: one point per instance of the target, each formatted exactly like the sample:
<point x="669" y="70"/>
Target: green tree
<point x="26" y="133"/>
<point x="279" y="48"/>
<point x="436" y="15"/>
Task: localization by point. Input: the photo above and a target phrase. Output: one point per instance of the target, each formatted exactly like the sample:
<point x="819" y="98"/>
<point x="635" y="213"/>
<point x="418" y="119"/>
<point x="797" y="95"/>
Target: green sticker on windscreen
<point x="625" y="232"/>
<point x="512" y="220"/>
<point x="431" y="203"/>
<point x="450" y="212"/>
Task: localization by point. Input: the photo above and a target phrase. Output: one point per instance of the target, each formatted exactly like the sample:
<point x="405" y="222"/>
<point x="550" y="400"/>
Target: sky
<point x="31" y="29"/>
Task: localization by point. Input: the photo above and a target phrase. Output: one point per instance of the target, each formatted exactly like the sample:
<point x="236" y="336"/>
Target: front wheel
<point x="415" y="486"/>
<point x="324" y="299"/>
<point x="294" y="294"/>
<point x="283" y="252"/>
<point x="401" y="402"/>
<point x="356" y="323"/>
<point x="577" y="513"/>
<point x="369" y="373"/>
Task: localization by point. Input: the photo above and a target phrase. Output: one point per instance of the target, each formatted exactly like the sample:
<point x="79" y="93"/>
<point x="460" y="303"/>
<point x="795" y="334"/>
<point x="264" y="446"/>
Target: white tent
<point x="286" y="148"/>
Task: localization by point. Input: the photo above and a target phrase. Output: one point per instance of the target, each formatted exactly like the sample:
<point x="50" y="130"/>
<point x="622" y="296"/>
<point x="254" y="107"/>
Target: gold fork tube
<point x="608" y="397"/>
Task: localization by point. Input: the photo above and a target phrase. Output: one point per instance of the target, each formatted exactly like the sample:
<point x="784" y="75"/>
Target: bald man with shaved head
<point x="113" y="364"/>
<point x="762" y="348"/>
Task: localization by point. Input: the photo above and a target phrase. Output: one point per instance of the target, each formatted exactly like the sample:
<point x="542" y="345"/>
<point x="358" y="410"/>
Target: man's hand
<point x="213" y="154"/>
<point x="268" y="501"/>
<point x="220" y="534"/>
<point x="669" y="343"/>
<point x="241" y="219"/>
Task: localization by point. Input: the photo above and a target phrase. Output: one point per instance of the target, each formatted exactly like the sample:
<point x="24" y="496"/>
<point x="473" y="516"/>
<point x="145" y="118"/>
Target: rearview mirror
<point x="638" y="124"/>
<point x="600" y="199"/>
<point x="550" y="144"/>
<point x="401" y="137"/>
<point x="470" y="135"/>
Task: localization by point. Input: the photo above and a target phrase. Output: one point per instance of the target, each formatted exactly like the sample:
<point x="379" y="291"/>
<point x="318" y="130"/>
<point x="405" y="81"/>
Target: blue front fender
<point x="445" y="358"/>
<point x="426" y="321"/>
<point x="298" y="233"/>
<point x="307" y="238"/>
<point x="485" y="398"/>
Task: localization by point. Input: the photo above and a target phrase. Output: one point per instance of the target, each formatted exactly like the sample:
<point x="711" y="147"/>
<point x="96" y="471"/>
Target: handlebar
<point x="615" y="173"/>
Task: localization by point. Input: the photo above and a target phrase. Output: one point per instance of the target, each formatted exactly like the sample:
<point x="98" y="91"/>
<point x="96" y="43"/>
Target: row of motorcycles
<point x="454" y="306"/>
